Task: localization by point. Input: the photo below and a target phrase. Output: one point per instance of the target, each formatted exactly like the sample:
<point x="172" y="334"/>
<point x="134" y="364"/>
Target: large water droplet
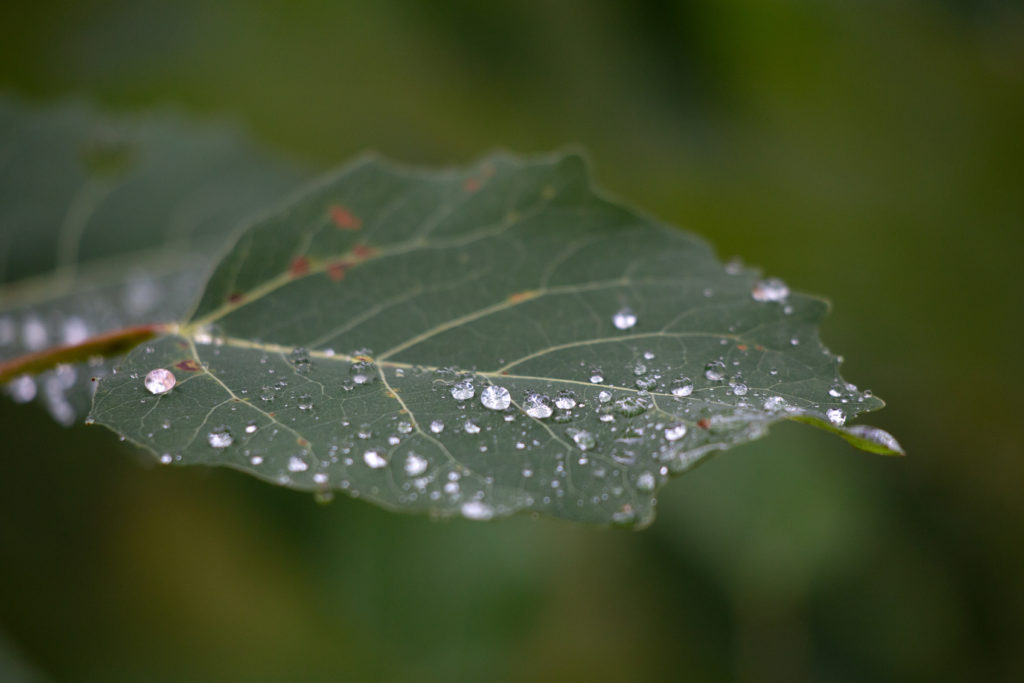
<point x="682" y="387"/>
<point x="565" y="400"/>
<point x="583" y="439"/>
<point x="220" y="438"/>
<point x="630" y="406"/>
<point x="604" y="396"/>
<point x="495" y="397"/>
<point x="463" y="390"/>
<point x="774" y="403"/>
<point x="415" y="464"/>
<point x="624" y="319"/>
<point x="537" y="406"/>
<point x="771" y="289"/>
<point x="374" y="459"/>
<point x="159" y="381"/>
<point x="715" y="371"/>
<point x="476" y="510"/>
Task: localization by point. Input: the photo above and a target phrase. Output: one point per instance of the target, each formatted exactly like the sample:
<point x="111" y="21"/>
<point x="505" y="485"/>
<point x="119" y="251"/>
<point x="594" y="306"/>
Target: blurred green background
<point x="872" y="152"/>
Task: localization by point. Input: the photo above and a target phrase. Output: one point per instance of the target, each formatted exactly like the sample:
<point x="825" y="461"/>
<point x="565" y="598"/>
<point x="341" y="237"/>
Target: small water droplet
<point x="160" y="381"/>
<point x="463" y="390"/>
<point x="471" y="427"/>
<point x="22" y="389"/>
<point x="495" y="397"/>
<point x="715" y="371"/>
<point x="220" y="438"/>
<point x="834" y="391"/>
<point x="596" y="376"/>
<point x="296" y="464"/>
<point x="771" y="289"/>
<point x="415" y="465"/>
<point x="251" y="428"/>
<point x="166" y="459"/>
<point x="437" y="426"/>
<point x="645" y="481"/>
<point x="404" y="427"/>
<point x="774" y="403"/>
<point x="675" y="432"/>
<point x="320" y="477"/>
<point x="536" y="405"/>
<point x="374" y="459"/>
<point x="305" y="402"/>
<point x="624" y="319"/>
<point x="604" y="396"/>
<point x="739" y="389"/>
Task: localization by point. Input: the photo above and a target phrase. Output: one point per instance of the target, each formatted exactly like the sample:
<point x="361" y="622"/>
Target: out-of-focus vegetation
<point x="871" y="151"/>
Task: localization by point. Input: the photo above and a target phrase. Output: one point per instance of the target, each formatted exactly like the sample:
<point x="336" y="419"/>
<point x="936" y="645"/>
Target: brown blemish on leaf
<point x="363" y="251"/>
<point x="299" y="267"/>
<point x="522" y="296"/>
<point x="235" y="298"/>
<point x="704" y="423"/>
<point x="344" y="219"/>
<point x="471" y="184"/>
<point x="188" y="365"/>
<point x="742" y="347"/>
<point x="336" y="271"/>
<point x="302" y="442"/>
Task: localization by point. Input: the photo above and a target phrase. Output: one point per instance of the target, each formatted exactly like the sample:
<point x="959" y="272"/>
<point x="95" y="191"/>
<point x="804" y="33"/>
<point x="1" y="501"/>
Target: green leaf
<point x="477" y="342"/>
<point x="108" y="222"/>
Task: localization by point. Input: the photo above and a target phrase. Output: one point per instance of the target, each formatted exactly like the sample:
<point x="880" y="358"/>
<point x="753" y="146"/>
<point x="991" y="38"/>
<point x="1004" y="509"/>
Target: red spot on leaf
<point x="235" y="298"/>
<point x="188" y="365"/>
<point x="704" y="423"/>
<point x="299" y="267"/>
<point x="759" y="347"/>
<point x="471" y="184"/>
<point x="363" y="251"/>
<point x="302" y="442"/>
<point x="336" y="271"/>
<point x="742" y="347"/>
<point x="345" y="219"/>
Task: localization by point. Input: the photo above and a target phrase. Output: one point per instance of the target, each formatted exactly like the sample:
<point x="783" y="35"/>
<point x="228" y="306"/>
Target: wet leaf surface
<point x="477" y="342"/>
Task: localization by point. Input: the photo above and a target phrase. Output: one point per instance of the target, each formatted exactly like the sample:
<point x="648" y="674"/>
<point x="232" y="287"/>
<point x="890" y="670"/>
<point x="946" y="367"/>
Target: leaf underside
<point x="335" y="345"/>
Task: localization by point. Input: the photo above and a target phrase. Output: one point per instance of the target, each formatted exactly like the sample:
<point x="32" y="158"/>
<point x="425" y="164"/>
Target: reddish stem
<point x="110" y="343"/>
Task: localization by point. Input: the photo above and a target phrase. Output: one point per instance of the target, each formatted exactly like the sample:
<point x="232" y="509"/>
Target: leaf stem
<point x="107" y="344"/>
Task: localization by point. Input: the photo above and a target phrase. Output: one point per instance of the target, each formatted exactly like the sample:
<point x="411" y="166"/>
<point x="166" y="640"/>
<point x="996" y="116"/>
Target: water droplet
<point x="537" y="406"/>
<point x="463" y="390"/>
<point x="596" y="376"/>
<point x="675" y="432"/>
<point x="624" y="319"/>
<point x="220" y="438"/>
<point x="794" y="342"/>
<point x="251" y="428"/>
<point x="834" y="391"/>
<point x="715" y="371"/>
<point x="404" y="427"/>
<point x="604" y="396"/>
<point x="649" y="355"/>
<point x="476" y="510"/>
<point x="362" y="372"/>
<point x="471" y="427"/>
<point x="583" y="439"/>
<point x="305" y="402"/>
<point x="33" y="334"/>
<point x="877" y="436"/>
<point x="320" y="477"/>
<point x="299" y="358"/>
<point x="682" y="387"/>
<point x="565" y="400"/>
<point x="836" y="416"/>
<point x="774" y="403"/>
<point x="374" y="459"/>
<point x="495" y="397"/>
<point x="76" y="330"/>
<point x="645" y="481"/>
<point x="159" y="381"/>
<point x="630" y="406"/>
<point x="415" y="464"/>
<point x="771" y="289"/>
<point x="739" y="389"/>
<point x="437" y="426"/>
<point x="296" y="464"/>
<point x="22" y="389"/>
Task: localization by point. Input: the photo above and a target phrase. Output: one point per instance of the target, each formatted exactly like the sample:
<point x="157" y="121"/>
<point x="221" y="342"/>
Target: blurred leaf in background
<point x="869" y="151"/>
